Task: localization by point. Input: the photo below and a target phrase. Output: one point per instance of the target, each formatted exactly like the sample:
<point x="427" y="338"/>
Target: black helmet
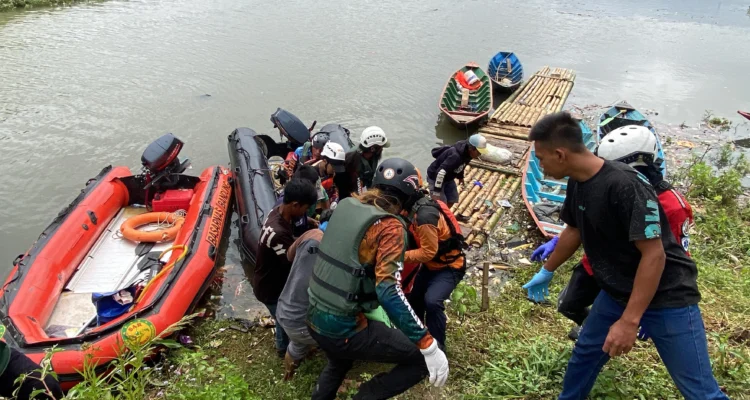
<point x="319" y="140"/>
<point x="399" y="174"/>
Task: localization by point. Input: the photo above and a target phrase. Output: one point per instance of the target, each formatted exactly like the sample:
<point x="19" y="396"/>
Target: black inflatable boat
<point x="253" y="180"/>
<point x="253" y="185"/>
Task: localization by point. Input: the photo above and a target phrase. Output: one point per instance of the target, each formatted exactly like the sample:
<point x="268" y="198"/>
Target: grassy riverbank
<point x="519" y="350"/>
<point x="8" y="5"/>
<point x="516" y="350"/>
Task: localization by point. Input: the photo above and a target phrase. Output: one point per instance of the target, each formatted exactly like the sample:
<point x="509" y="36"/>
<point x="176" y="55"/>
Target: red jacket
<point x="679" y="214"/>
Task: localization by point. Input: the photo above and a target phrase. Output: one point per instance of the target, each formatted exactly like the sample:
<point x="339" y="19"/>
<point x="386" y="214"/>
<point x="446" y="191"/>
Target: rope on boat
<point x="260" y="215"/>
<point x="166" y="268"/>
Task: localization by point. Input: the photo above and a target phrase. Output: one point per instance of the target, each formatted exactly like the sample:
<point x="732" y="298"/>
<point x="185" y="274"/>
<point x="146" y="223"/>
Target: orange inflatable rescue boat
<point x="130" y="256"/>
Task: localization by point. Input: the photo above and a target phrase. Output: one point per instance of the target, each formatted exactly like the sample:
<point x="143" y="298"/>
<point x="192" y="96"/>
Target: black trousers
<point x="579" y="294"/>
<point x="376" y="343"/>
<point x="20" y="364"/>
<point x="427" y="297"/>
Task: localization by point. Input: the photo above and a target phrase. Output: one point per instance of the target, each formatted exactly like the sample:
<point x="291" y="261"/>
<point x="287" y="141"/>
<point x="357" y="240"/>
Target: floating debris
<point x="185" y="340"/>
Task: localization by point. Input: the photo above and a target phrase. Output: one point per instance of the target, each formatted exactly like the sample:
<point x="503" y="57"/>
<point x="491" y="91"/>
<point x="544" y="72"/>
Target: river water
<point x="91" y="85"/>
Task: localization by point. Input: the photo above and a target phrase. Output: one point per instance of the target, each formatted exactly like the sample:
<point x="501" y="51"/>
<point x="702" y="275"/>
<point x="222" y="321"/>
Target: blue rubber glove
<point x="538" y="286"/>
<point x="542" y="252"/>
<point x="643" y="334"/>
<point x="323" y="226"/>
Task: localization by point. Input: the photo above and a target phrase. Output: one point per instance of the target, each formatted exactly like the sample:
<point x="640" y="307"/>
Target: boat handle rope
<point x="166" y="268"/>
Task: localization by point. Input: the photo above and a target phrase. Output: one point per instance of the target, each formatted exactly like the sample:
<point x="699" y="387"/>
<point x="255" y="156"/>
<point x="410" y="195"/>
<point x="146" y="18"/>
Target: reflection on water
<point x="91" y="85"/>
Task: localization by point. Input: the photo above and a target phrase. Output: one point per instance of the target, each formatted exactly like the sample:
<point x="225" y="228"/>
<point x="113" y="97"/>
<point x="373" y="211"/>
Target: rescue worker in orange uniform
<point x="440" y="246"/>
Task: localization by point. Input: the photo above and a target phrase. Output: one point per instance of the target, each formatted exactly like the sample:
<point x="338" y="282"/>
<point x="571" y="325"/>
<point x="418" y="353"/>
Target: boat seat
<point x="464" y="98"/>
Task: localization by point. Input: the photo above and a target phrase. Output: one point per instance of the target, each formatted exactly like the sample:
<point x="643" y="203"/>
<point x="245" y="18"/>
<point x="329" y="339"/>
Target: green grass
<point x="8" y="5"/>
<point x="519" y="350"/>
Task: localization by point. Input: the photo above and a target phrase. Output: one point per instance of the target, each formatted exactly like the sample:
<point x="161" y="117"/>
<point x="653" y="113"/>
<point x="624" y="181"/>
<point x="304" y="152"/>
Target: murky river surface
<point x="92" y="85"/>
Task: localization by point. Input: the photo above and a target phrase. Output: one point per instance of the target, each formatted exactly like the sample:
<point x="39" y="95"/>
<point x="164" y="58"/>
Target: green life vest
<point x="367" y="169"/>
<point x="340" y="285"/>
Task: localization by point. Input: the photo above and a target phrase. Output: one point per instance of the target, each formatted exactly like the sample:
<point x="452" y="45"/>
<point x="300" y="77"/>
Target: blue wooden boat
<point x="544" y="195"/>
<point x="505" y="71"/>
<point x="623" y="114"/>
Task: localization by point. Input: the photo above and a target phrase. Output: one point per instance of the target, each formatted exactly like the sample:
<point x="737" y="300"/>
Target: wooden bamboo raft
<point x="545" y="93"/>
<point x="479" y="205"/>
<point x="486" y="184"/>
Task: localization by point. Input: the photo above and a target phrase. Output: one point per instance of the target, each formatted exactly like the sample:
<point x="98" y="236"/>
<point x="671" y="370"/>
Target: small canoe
<point x="744" y="114"/>
<point x="505" y="71"/>
<point x="87" y="288"/>
<point x="623" y="114"/>
<point x="253" y="188"/>
<point x="544" y="195"/>
<point x="465" y="101"/>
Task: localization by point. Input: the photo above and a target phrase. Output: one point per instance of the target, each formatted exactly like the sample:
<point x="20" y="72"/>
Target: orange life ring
<point x="129" y="228"/>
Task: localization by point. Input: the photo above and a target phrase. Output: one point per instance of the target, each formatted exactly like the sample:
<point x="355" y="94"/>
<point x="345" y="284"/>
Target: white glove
<point x="437" y="364"/>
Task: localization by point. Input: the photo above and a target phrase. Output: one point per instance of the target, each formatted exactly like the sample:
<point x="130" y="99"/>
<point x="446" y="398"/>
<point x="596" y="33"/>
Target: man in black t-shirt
<point x="645" y="275"/>
<point x="272" y="266"/>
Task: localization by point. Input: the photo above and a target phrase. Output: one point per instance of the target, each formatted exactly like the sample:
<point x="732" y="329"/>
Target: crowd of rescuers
<point x="373" y="287"/>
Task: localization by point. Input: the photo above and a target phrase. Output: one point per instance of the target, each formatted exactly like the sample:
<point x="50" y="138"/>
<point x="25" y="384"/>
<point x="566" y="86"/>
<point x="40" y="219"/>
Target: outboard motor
<point x="161" y="164"/>
<point x="291" y="128"/>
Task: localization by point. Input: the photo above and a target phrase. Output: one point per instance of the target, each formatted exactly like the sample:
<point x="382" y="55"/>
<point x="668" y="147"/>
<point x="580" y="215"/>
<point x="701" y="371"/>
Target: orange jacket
<point x="429" y="228"/>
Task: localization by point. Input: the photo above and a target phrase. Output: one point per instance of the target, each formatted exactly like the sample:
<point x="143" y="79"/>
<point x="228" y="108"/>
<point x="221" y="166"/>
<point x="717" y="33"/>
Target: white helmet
<point x="333" y="151"/>
<point x="372" y="136"/>
<point x="632" y="144"/>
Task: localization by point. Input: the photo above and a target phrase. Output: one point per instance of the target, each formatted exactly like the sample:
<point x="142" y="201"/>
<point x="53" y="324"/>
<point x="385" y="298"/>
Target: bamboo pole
<point x="539" y="94"/>
<point x="469" y="199"/>
<point x="502" y="267"/>
<point x="476" y="175"/>
<point x="561" y="88"/>
<point x="472" y="193"/>
<point x="492" y="222"/>
<point x="525" y="122"/>
<point x="482" y="195"/>
<point x="524" y="110"/>
<point x="490" y="196"/>
<point x="517" y="111"/>
<point x="532" y="87"/>
<point x="478" y="240"/>
<point x="479" y="199"/>
<point x="512" y="190"/>
<point x="479" y="224"/>
<point x="469" y="176"/>
<point x="549" y="92"/>
<point x="505" y="133"/>
<point x="485" y="287"/>
<point x="546" y="90"/>
<point x="497" y="168"/>
<point x="538" y="114"/>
